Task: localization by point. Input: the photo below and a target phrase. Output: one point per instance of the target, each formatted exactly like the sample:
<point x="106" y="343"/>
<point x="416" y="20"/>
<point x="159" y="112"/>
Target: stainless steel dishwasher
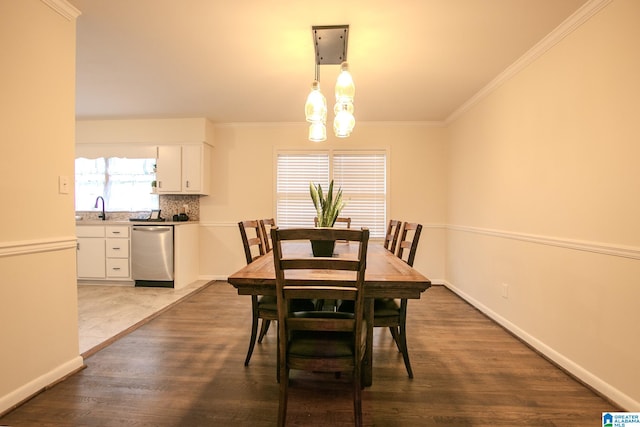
<point x="152" y="255"/>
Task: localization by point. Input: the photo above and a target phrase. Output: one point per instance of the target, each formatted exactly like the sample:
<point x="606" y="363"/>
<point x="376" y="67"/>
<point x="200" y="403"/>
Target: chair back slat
<point x="340" y="220"/>
<point x="391" y="238"/>
<point x="319" y="263"/>
<point x="265" y="227"/>
<point x="251" y="239"/>
<point x="408" y="243"/>
<point x="319" y="292"/>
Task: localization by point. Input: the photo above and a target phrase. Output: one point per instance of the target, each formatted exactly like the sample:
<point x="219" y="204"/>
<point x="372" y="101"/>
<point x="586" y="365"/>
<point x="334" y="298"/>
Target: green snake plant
<point x="327" y="207"/>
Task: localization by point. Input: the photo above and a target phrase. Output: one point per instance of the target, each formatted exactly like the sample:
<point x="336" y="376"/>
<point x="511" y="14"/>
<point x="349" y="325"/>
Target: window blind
<point x="294" y="207"/>
<point x="361" y="175"/>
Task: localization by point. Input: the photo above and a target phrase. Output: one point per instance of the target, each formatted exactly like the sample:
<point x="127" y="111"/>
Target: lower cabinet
<point x="117" y="254"/>
<point x="103" y="252"/>
<point x="91" y="253"/>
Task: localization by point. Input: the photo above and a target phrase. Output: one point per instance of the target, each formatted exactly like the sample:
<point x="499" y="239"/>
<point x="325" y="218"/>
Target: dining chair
<point x="320" y="341"/>
<point x="340" y="220"/>
<point x="262" y="306"/>
<point x="265" y="227"/>
<point x="391" y="238"/>
<point x="386" y="311"/>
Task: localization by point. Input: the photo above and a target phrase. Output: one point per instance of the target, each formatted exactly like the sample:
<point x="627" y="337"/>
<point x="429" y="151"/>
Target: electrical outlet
<point x="505" y="291"/>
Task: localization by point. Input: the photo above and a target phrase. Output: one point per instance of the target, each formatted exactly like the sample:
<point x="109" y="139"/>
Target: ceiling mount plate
<point x="330" y="43"/>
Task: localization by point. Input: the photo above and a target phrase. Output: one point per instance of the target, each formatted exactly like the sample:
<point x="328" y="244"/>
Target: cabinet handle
<point x="187" y="184"/>
<point x="78" y="246"/>
<point x="115" y="232"/>
<point x="116" y="249"/>
<point x="159" y="184"/>
<point x="116" y="268"/>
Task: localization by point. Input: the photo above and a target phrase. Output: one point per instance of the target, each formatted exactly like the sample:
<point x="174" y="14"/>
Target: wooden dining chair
<point x="387" y="312"/>
<point x="340" y="220"/>
<point x="320" y="341"/>
<point x="262" y="306"/>
<point x="265" y="227"/>
<point x="391" y="238"/>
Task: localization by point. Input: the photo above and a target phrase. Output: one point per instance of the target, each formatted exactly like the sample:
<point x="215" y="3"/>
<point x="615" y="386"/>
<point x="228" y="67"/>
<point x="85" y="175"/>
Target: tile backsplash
<point x="170" y="205"/>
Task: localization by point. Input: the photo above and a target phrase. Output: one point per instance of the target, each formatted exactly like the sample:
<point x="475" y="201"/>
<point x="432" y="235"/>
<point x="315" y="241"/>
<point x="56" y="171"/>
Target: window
<point x="360" y="174"/>
<point x="125" y="184"/>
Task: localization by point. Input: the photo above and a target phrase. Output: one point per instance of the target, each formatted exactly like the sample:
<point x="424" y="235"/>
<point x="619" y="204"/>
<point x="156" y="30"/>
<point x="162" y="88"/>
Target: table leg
<point x="367" y="369"/>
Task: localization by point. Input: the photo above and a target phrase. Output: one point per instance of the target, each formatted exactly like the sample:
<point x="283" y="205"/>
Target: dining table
<point x="386" y="276"/>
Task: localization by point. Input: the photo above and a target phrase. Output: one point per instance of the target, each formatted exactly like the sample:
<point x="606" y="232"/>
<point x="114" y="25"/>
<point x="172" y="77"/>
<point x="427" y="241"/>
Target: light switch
<point x="63" y="184"/>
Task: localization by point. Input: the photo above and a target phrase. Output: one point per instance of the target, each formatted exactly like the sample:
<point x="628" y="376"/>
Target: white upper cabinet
<point x="184" y="169"/>
<point x="196" y="168"/>
<point x="169" y="169"/>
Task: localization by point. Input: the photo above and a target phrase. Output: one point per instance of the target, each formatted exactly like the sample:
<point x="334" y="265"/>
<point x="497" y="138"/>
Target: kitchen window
<point x="125" y="184"/>
<point x="362" y="175"/>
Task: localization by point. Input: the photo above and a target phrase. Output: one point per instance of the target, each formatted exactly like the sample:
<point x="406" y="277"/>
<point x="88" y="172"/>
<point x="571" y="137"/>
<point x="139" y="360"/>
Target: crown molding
<point x="569" y="25"/>
<point x="64" y="8"/>
<point x="433" y="124"/>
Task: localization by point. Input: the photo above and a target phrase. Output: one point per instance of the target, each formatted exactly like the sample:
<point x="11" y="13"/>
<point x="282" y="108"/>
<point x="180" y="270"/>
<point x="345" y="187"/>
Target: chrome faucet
<point x="102" y="216"/>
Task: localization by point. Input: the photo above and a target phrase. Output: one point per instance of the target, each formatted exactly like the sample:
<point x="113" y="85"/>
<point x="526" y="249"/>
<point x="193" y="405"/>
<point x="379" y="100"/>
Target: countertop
<point x="127" y="222"/>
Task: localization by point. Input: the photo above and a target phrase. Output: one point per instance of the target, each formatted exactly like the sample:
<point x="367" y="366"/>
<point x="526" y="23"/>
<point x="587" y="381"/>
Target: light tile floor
<point x="105" y="311"/>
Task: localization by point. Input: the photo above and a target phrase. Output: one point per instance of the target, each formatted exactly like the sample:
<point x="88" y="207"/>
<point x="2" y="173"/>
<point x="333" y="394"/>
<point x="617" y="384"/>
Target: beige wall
<point x="543" y="197"/>
<point x="535" y="187"/>
<point x="243" y="185"/>
<point x="39" y="332"/>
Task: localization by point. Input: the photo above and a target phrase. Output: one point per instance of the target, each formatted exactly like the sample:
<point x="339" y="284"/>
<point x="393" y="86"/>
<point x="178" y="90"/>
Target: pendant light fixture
<point x="316" y="111"/>
<point x="345" y="90"/>
<point x="330" y="44"/>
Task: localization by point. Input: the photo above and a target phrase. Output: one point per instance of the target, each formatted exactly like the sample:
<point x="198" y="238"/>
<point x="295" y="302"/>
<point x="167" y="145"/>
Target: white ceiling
<point x="253" y="60"/>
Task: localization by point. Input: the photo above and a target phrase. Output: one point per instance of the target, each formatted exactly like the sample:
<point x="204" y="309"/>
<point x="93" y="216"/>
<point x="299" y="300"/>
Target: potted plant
<point x="328" y="208"/>
<point x="154" y="185"/>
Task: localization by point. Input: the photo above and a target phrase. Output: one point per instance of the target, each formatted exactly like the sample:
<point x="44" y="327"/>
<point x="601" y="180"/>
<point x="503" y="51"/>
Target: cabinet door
<point x="169" y="169"/>
<point x="91" y="258"/>
<point x="118" y="268"/>
<point x="192" y="168"/>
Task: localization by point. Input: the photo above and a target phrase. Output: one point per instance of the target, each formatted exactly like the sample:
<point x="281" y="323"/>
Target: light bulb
<point x="316" y="106"/>
<point x="344" y="122"/>
<point x="345" y="88"/>
<point x="317" y="132"/>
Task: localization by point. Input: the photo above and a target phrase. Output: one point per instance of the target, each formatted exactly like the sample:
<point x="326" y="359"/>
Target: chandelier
<point x="330" y="44"/>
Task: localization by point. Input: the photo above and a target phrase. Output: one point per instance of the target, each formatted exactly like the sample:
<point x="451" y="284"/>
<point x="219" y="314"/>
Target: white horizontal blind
<point x="294" y="207"/>
<point x="361" y="175"/>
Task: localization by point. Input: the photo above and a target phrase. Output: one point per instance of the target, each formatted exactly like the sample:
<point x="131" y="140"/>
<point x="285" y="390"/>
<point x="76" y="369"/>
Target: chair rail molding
<point x="579" y="245"/>
<point x="219" y="224"/>
<point x="36" y="246"/>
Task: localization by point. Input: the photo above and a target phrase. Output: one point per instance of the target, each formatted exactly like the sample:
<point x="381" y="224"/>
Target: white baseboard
<point x="213" y="277"/>
<point x="36" y="385"/>
<point x="587" y="377"/>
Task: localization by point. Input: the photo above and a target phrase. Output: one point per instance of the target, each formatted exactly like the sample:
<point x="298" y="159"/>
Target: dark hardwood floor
<point x="185" y="368"/>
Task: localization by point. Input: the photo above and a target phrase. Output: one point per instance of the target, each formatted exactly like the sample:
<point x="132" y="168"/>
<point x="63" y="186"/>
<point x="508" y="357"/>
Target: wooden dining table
<point x="386" y="276"/>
